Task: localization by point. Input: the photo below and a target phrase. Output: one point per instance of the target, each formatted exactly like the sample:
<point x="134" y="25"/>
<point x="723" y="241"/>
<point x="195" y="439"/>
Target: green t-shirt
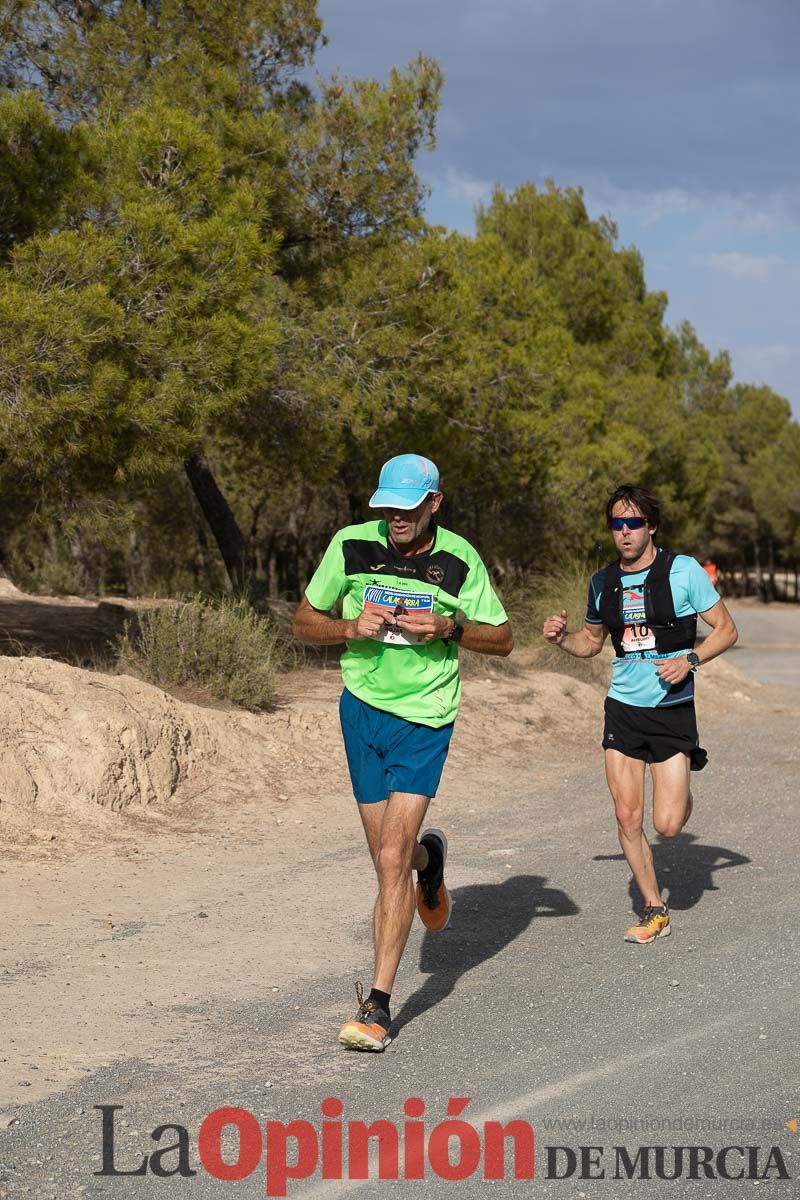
<point x="417" y="682"/>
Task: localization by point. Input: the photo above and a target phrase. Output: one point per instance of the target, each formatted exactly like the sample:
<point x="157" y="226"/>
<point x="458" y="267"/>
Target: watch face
<point x="693" y="659"/>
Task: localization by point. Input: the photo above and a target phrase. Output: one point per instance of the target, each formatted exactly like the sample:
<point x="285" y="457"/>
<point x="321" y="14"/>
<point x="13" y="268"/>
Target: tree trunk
<point x="759" y="577"/>
<point x="292" y="559"/>
<point x="770" y="588"/>
<point x="221" y="521"/>
<point x="81" y="560"/>
<point x="133" y="565"/>
<point x="201" y="562"/>
<point x="743" y="576"/>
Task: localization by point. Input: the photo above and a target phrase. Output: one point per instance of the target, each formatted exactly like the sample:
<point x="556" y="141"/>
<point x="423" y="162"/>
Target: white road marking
<point x="521" y="1105"/>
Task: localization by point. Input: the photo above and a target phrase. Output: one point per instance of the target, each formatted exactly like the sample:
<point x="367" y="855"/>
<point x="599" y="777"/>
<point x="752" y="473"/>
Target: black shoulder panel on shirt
<point x="364" y="558"/>
<point x="442" y="569"/>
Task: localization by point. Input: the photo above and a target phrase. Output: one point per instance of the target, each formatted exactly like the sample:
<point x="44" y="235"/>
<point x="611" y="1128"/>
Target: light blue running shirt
<point x="634" y="678"/>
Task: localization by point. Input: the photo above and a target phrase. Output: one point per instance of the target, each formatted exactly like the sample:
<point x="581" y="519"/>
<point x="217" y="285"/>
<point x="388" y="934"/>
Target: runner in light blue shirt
<point x="648" y="601"/>
<point x="634" y="677"/>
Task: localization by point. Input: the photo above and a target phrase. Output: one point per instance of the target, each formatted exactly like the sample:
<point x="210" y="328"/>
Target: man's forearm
<point x="721" y="638"/>
<point x="488" y="639"/>
<point x="579" y="645"/>
<point x="321" y="630"/>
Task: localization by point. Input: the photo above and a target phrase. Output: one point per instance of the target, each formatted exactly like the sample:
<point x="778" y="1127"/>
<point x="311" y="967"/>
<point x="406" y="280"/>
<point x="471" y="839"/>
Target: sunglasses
<point x="617" y="523"/>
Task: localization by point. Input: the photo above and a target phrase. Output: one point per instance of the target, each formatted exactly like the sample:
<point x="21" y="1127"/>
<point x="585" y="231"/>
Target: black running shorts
<point x="653" y="734"/>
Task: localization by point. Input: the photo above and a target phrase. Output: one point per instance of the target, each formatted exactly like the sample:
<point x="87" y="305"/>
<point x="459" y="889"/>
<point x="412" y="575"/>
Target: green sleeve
<point x="477" y="599"/>
<point x="328" y="581"/>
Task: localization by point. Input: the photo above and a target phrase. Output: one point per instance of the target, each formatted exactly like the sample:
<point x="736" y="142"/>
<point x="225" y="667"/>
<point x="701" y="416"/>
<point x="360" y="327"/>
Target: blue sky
<point x="680" y="119"/>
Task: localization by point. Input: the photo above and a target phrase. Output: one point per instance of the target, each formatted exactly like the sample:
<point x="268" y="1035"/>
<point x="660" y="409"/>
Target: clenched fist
<point x="368" y="622"/>
<point x="425" y="625"/>
<point x="554" y="629"/>
<point x="672" y="670"/>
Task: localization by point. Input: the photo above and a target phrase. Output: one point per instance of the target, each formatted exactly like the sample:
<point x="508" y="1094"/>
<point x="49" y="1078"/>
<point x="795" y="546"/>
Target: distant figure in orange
<point x="711" y="570"/>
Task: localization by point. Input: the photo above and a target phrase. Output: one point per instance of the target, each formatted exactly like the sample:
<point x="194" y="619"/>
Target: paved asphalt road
<point x="531" y="1004"/>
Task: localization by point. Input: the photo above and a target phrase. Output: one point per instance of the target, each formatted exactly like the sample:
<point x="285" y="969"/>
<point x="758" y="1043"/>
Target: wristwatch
<point x="693" y="660"/>
<point x="455" y="634"/>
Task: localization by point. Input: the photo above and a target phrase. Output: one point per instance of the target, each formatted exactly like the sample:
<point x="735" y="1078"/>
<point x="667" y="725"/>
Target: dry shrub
<point x="530" y="599"/>
<point x="221" y="645"/>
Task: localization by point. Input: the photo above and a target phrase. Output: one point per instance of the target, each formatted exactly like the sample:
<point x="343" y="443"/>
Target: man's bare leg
<point x="392" y="827"/>
<point x="671" y="795"/>
<point x="626" y="783"/>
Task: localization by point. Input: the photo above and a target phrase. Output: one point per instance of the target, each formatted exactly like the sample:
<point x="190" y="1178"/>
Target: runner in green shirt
<point x="411" y="592"/>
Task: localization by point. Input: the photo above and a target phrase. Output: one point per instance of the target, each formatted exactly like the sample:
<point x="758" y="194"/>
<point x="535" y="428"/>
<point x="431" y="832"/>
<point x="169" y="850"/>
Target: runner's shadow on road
<point x="685" y="868"/>
<point x="487" y="917"/>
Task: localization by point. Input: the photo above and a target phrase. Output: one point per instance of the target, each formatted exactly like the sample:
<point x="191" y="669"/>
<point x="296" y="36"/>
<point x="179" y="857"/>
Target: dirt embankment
<point x="87" y="755"/>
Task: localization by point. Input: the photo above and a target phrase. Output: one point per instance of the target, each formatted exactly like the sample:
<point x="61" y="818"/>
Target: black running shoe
<point x="433" y="899"/>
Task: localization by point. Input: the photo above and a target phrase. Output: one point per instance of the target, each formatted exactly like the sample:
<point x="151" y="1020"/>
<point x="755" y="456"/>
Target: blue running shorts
<point x="389" y="754"/>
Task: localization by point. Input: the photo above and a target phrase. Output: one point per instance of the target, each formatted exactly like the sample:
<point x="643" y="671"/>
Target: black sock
<point x="434" y="859"/>
<point x="380" y="999"/>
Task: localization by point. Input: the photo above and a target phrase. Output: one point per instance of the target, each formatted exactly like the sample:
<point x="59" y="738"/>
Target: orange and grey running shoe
<point x="654" y="923"/>
<point x="433" y="899"/>
<point x="370" y="1028"/>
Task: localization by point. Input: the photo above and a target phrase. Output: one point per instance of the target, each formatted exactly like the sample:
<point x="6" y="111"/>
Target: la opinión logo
<point x="231" y="1145"/>
<point x="453" y="1149"/>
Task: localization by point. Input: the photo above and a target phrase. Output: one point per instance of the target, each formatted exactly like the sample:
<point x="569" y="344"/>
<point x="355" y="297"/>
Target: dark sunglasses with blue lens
<point x="618" y="523"/>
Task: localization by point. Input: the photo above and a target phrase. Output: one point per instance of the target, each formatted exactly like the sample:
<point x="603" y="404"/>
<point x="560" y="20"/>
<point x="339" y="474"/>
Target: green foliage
<point x="88" y="54"/>
<point x="574" y="257"/>
<point x="126" y="337"/>
<point x="775" y="487"/>
<point x="351" y="169"/>
<point x="205" y="256"/>
<point x="149" y="322"/>
<point x="152" y="541"/>
<point x="222" y="646"/>
<point x="751" y="424"/>
<point x="37" y="161"/>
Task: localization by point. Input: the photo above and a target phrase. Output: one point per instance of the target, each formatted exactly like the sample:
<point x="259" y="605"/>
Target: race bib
<point x="637" y="634"/>
<point x="392" y="603"/>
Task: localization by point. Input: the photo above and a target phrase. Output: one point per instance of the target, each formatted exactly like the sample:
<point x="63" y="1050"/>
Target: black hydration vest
<point x="671" y="632"/>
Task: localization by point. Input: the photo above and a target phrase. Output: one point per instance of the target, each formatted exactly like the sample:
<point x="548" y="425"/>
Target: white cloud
<point x="757" y="267"/>
<point x="760" y="359"/>
<point x="466" y="188"/>
<point x="740" y="212"/>
<point x="648" y="207"/>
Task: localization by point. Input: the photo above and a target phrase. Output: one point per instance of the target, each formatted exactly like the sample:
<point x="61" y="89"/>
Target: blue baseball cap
<point x="405" y="481"/>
